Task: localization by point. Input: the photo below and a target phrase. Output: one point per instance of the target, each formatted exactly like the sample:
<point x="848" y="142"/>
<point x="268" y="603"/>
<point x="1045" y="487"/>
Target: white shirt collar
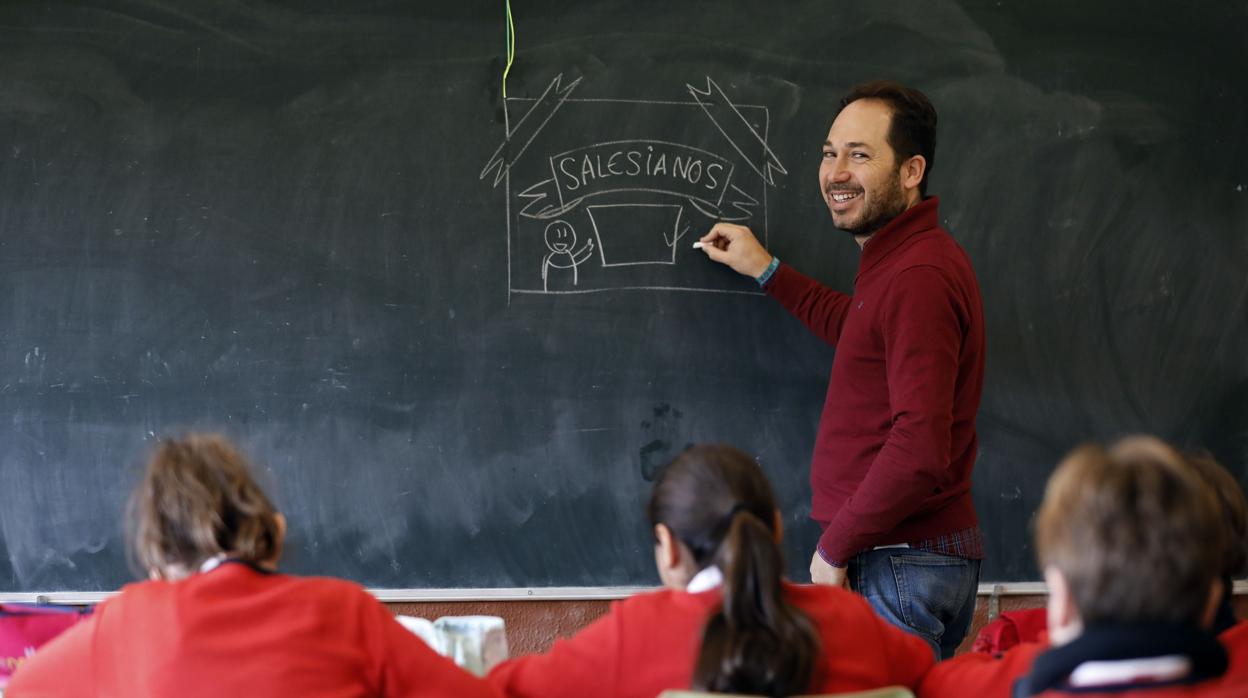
<point x="1150" y="669"/>
<point x="709" y="578"/>
<point x="212" y="563"/>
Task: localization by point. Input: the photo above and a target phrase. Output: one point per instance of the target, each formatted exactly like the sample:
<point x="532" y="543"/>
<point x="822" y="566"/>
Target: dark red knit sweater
<point x="896" y="443"/>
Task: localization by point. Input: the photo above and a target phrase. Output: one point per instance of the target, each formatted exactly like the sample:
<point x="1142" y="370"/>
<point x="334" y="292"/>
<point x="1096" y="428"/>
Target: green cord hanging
<point x="511" y="45"/>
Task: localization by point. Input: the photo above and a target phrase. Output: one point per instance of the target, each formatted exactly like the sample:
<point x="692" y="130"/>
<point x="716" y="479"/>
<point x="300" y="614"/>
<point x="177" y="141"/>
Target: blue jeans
<point x="927" y="594"/>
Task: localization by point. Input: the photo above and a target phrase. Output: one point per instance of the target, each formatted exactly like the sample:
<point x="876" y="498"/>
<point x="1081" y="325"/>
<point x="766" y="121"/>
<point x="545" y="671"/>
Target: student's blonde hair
<point x="197" y="500"/>
<point x="1135" y="531"/>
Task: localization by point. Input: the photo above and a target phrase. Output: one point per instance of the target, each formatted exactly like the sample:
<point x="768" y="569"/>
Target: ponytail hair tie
<point x="737" y="508"/>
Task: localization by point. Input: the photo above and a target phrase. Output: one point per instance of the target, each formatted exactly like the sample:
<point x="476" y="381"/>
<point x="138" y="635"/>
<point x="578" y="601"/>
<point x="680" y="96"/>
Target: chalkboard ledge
<point x="990" y="589"/>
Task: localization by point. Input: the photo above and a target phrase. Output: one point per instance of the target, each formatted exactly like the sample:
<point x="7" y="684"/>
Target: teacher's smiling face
<point x="861" y="181"/>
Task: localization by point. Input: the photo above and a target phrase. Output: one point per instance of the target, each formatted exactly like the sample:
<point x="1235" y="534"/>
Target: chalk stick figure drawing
<point x="560" y="239"/>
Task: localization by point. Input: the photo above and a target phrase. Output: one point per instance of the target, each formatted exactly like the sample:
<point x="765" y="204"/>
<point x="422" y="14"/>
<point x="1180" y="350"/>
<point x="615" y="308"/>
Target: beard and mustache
<point x="885" y="204"/>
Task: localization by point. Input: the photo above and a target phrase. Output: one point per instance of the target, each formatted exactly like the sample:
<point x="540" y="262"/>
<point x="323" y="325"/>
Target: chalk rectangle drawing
<point x="628" y="234"/>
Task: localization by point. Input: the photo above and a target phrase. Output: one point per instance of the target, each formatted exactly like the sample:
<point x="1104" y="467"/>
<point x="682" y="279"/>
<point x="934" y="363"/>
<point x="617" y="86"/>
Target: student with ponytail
<point x="215" y="618"/>
<point x="726" y="620"/>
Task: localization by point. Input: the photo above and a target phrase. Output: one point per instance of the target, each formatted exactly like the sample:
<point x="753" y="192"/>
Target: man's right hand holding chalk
<point x="737" y="247"/>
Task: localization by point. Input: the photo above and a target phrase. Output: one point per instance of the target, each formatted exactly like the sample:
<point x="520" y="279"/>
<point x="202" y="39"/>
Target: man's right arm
<point x="820" y="308"/>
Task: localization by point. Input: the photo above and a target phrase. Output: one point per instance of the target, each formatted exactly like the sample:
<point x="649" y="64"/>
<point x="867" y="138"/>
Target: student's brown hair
<point x="1234" y="512"/>
<point x="197" y="500"/>
<point x="912" y="128"/>
<point x="718" y="503"/>
<point x="1134" y="530"/>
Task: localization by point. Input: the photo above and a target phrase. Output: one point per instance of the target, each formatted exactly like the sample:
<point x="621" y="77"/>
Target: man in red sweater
<point x="891" y="471"/>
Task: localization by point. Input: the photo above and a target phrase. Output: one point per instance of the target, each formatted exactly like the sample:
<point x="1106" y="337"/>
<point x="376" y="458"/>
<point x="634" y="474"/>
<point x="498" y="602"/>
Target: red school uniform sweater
<point x="1235" y="640"/>
<point x="993" y="675"/>
<point x="237" y="631"/>
<point x="981" y="674"/>
<point x="649" y="643"/>
<point x="896" y="442"/>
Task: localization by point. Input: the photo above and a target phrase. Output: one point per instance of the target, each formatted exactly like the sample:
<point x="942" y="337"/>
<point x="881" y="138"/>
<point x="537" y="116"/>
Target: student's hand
<point x="823" y="573"/>
<point x="737" y="247"/>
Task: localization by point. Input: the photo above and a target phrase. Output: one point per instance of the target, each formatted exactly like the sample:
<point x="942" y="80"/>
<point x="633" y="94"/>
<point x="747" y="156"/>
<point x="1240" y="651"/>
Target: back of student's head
<point x="1135" y="532"/>
<point x="1234" y="509"/>
<point x="718" y="503"/>
<point x="198" y="500"/>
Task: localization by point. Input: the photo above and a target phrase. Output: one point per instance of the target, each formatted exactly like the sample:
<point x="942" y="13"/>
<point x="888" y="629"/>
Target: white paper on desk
<point x="424" y="630"/>
<point x="475" y="643"/>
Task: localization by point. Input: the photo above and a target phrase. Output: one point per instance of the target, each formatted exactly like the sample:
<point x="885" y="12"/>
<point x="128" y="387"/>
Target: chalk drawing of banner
<point x="609" y="214"/>
<point x="699" y="176"/>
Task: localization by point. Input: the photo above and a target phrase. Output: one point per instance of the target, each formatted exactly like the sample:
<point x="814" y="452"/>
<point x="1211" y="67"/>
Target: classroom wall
<point x="533" y="626"/>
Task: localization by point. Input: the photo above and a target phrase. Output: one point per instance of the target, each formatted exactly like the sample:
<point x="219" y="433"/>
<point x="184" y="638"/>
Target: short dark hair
<point x="912" y="130"/>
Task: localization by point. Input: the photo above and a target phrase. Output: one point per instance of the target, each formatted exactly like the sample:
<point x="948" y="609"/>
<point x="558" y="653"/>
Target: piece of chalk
<point x="698" y="245"/>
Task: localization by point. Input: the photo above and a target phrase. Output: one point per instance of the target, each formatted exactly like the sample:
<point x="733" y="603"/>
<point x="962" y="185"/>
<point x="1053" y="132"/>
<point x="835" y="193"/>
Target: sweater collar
<point x="1109" y="643"/>
<point x="919" y="217"/>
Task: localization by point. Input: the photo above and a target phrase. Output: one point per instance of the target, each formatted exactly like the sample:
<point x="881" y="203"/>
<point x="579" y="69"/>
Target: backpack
<point x="25" y="628"/>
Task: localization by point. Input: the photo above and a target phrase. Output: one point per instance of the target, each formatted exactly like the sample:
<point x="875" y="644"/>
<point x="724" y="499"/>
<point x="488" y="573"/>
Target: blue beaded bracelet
<point x="771" y="269"/>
